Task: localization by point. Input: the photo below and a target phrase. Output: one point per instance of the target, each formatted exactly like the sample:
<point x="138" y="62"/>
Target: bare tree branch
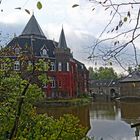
<point x="119" y="8"/>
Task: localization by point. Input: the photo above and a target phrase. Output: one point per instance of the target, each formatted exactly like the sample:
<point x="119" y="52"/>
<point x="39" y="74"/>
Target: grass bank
<point x="64" y="102"/>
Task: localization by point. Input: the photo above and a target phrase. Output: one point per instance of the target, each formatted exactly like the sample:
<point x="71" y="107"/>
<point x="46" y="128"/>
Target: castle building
<point x="130" y="85"/>
<point x="69" y="77"/>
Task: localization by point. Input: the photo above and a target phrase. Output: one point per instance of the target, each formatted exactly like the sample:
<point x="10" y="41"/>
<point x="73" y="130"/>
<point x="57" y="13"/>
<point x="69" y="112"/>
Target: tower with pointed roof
<point x="62" y="52"/>
<point x="33" y="29"/>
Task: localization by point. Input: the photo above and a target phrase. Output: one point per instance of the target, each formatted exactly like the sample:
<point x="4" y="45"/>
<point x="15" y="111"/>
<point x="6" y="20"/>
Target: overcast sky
<point x="81" y="24"/>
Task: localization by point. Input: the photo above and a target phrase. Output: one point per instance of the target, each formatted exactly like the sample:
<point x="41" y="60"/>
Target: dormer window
<point x="17" y="50"/>
<point x="44" y="50"/>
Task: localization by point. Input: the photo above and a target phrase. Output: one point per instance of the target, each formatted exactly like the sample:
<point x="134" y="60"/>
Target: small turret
<point x="62" y="52"/>
<point x="62" y="41"/>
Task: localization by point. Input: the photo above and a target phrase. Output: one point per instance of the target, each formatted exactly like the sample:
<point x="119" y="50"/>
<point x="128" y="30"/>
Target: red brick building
<point x="69" y="77"/>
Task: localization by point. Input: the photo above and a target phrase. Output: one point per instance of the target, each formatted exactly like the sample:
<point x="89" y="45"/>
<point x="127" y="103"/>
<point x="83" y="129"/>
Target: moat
<point x="110" y="121"/>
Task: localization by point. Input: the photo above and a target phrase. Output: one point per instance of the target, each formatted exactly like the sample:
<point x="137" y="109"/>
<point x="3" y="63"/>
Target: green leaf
<point x="125" y="19"/>
<point x="75" y="5"/>
<point x="39" y="5"/>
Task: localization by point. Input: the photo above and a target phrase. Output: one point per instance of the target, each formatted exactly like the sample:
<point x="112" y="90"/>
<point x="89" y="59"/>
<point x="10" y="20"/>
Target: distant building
<point x="130" y="85"/>
<point x="69" y="77"/>
<point x="106" y="88"/>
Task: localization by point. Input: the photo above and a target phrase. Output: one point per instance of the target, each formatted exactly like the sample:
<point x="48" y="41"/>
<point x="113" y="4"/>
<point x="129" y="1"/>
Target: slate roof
<point x="104" y="83"/>
<point x="33" y="36"/>
<point x="62" y="41"/>
<point x="132" y="77"/>
<point x="37" y="44"/>
<point x="33" y="28"/>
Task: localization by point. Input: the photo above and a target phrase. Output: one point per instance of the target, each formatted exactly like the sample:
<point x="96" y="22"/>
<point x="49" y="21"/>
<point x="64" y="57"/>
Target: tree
<point x="121" y="32"/>
<point x="102" y="73"/>
<point x="30" y="124"/>
<point x="18" y="117"/>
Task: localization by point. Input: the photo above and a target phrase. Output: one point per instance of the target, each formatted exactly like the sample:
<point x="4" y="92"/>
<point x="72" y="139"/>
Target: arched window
<point x="52" y="67"/>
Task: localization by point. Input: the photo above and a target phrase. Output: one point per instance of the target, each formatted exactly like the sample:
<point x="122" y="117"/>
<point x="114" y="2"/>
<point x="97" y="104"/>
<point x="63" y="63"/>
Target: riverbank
<point x="64" y="102"/>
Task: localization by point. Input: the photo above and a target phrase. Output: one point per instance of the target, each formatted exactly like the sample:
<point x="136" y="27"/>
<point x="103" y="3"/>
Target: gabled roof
<point x="33" y="28"/>
<point x="133" y="77"/>
<point x="104" y="83"/>
<point x="62" y="41"/>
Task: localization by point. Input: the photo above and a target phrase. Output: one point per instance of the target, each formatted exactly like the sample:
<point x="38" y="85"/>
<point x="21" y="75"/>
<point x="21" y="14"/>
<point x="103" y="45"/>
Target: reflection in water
<point x="110" y="121"/>
<point x="130" y="111"/>
<point x="82" y="112"/>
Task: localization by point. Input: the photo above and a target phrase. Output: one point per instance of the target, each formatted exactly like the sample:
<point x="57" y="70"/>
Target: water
<point x="113" y="121"/>
<point x="110" y="121"/>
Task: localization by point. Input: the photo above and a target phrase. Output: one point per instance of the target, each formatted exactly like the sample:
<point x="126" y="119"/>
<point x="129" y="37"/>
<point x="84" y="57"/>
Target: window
<point x="52" y="67"/>
<point x="16" y="65"/>
<point x="68" y="66"/>
<point x="44" y="52"/>
<point x="52" y="82"/>
<point x="59" y="66"/>
<point x="59" y="84"/>
<point x="17" y="50"/>
<point x="113" y="83"/>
